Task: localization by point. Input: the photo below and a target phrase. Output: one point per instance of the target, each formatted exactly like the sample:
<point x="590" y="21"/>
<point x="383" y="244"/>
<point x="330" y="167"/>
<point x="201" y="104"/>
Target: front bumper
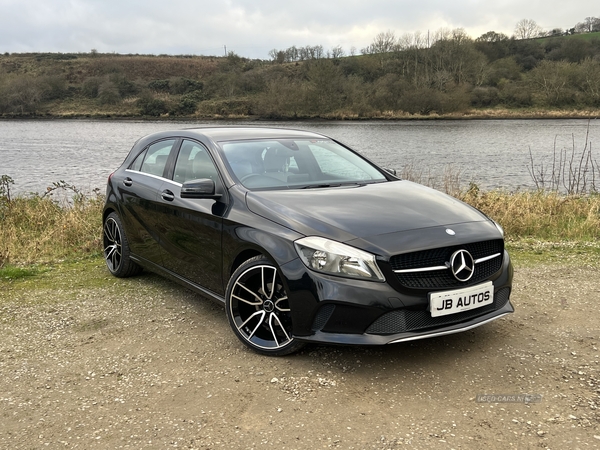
<point x="336" y="310"/>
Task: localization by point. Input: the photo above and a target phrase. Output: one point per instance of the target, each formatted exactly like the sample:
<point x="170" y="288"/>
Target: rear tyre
<point x="116" y="248"/>
<point x="258" y="308"/>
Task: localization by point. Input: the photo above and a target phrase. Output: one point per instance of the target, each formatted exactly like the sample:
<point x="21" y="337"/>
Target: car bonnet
<point x="354" y="212"/>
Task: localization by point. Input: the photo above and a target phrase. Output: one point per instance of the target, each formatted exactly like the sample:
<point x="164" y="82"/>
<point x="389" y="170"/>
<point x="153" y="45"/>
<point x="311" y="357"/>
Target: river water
<point x="492" y="153"/>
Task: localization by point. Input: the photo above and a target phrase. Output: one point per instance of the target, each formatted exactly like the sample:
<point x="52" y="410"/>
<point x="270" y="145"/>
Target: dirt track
<point x="95" y="362"/>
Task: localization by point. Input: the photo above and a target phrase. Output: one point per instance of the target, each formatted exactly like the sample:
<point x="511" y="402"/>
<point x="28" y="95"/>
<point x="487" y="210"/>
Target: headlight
<point x="335" y="258"/>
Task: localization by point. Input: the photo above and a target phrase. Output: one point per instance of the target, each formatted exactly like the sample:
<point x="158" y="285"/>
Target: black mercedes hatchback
<point x="303" y="239"/>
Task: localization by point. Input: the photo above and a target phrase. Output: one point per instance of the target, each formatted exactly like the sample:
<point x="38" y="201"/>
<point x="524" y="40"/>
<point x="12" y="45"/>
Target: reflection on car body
<point x="303" y="239"/>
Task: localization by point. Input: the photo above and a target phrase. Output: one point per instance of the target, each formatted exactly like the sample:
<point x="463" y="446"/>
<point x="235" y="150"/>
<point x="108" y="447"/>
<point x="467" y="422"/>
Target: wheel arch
<point x="274" y="243"/>
<point x="244" y="256"/>
<point x="107" y="211"/>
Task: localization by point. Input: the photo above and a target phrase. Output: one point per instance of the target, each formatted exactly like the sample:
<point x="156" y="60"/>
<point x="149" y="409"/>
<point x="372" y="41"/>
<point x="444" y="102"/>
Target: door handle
<point x="128" y="182"/>
<point x="167" y="195"/>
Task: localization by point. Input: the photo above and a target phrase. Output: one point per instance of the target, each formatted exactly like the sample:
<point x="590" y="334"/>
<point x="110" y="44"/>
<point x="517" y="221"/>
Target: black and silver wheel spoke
<point x="258" y="299"/>
<point x="282" y="308"/>
<point x="273" y="317"/>
<point x="258" y="324"/>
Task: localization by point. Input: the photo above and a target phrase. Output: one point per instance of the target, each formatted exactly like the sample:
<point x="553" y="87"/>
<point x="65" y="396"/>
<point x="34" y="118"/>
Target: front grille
<point x="402" y="320"/>
<point x="443" y="279"/>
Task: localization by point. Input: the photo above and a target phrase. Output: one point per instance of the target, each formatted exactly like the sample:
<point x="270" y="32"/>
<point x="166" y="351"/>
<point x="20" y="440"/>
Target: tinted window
<point x="193" y="163"/>
<point x="156" y="156"/>
<point x="137" y="164"/>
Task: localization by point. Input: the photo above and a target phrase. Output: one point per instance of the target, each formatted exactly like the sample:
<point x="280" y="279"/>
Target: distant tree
<point x="493" y="45"/>
<point x="503" y="69"/>
<point x="456" y="58"/>
<point x="325" y="86"/>
<point x="292" y="54"/>
<point x="412" y="41"/>
<point x="580" y="28"/>
<point x="527" y="53"/>
<point x="337" y="52"/>
<point x="589" y="25"/>
<point x="552" y="82"/>
<point x="492" y="36"/>
<point x="527" y="29"/>
<point x="588" y="81"/>
<point x="277" y="56"/>
<point x="383" y="43"/>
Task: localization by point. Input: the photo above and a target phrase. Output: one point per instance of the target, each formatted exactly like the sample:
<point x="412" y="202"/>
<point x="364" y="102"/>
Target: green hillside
<point x="455" y="76"/>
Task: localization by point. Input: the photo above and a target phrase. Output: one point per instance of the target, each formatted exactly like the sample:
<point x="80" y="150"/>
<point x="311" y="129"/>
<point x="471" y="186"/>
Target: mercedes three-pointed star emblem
<point x="462" y="265"/>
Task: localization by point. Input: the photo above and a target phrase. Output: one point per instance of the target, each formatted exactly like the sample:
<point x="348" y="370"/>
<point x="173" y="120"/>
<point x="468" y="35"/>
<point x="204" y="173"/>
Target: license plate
<point x="459" y="300"/>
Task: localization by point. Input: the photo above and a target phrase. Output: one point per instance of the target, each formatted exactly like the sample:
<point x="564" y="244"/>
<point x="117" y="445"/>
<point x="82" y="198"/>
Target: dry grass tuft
<point x="40" y="229"/>
<point x="546" y="216"/>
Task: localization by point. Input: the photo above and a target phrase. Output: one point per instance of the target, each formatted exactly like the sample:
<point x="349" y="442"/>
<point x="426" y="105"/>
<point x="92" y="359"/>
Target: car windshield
<point x="295" y="163"/>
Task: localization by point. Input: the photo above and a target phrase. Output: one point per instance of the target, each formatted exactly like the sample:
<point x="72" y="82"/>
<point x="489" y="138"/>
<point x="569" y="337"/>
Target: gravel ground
<point x="89" y="361"/>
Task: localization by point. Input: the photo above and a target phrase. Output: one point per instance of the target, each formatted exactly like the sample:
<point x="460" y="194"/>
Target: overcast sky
<point x="251" y="28"/>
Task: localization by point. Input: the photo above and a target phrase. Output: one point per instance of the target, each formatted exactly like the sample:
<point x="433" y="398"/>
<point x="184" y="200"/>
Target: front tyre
<point x="258" y="308"/>
<point x="116" y="248"/>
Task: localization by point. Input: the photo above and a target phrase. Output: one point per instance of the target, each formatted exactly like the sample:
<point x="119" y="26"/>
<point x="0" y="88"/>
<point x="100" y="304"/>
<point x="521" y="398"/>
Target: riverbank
<point x="41" y="230"/>
<point x="474" y="114"/>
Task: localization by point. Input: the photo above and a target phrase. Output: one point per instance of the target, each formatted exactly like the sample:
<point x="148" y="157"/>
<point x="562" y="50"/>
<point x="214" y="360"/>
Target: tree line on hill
<point x="443" y="72"/>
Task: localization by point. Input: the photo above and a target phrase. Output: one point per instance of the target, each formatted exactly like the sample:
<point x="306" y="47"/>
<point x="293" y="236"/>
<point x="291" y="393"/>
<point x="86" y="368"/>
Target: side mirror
<point x="392" y="171"/>
<point x="202" y="188"/>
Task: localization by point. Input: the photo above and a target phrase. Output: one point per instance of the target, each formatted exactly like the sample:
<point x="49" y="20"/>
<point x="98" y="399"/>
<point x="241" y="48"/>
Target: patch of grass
<point x="530" y="253"/>
<point x="10" y="272"/>
<point x="69" y="275"/>
<point x="584" y="36"/>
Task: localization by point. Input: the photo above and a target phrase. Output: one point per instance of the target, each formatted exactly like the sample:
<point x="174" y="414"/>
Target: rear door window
<point x="155" y="158"/>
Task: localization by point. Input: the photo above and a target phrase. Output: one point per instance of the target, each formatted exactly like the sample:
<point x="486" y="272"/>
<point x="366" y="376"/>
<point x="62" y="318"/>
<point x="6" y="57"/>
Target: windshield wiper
<point x="325" y="185"/>
<point x="328" y="185"/>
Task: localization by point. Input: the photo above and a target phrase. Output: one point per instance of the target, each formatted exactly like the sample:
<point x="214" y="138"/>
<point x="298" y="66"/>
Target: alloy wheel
<point x="112" y="244"/>
<point x="259" y="309"/>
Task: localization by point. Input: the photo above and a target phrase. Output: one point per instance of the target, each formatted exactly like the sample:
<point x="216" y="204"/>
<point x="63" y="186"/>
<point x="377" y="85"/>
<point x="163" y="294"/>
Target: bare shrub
<point x="570" y="171"/>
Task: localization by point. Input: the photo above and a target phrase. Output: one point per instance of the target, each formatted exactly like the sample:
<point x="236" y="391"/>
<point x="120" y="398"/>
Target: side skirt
<point x="179" y="279"/>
